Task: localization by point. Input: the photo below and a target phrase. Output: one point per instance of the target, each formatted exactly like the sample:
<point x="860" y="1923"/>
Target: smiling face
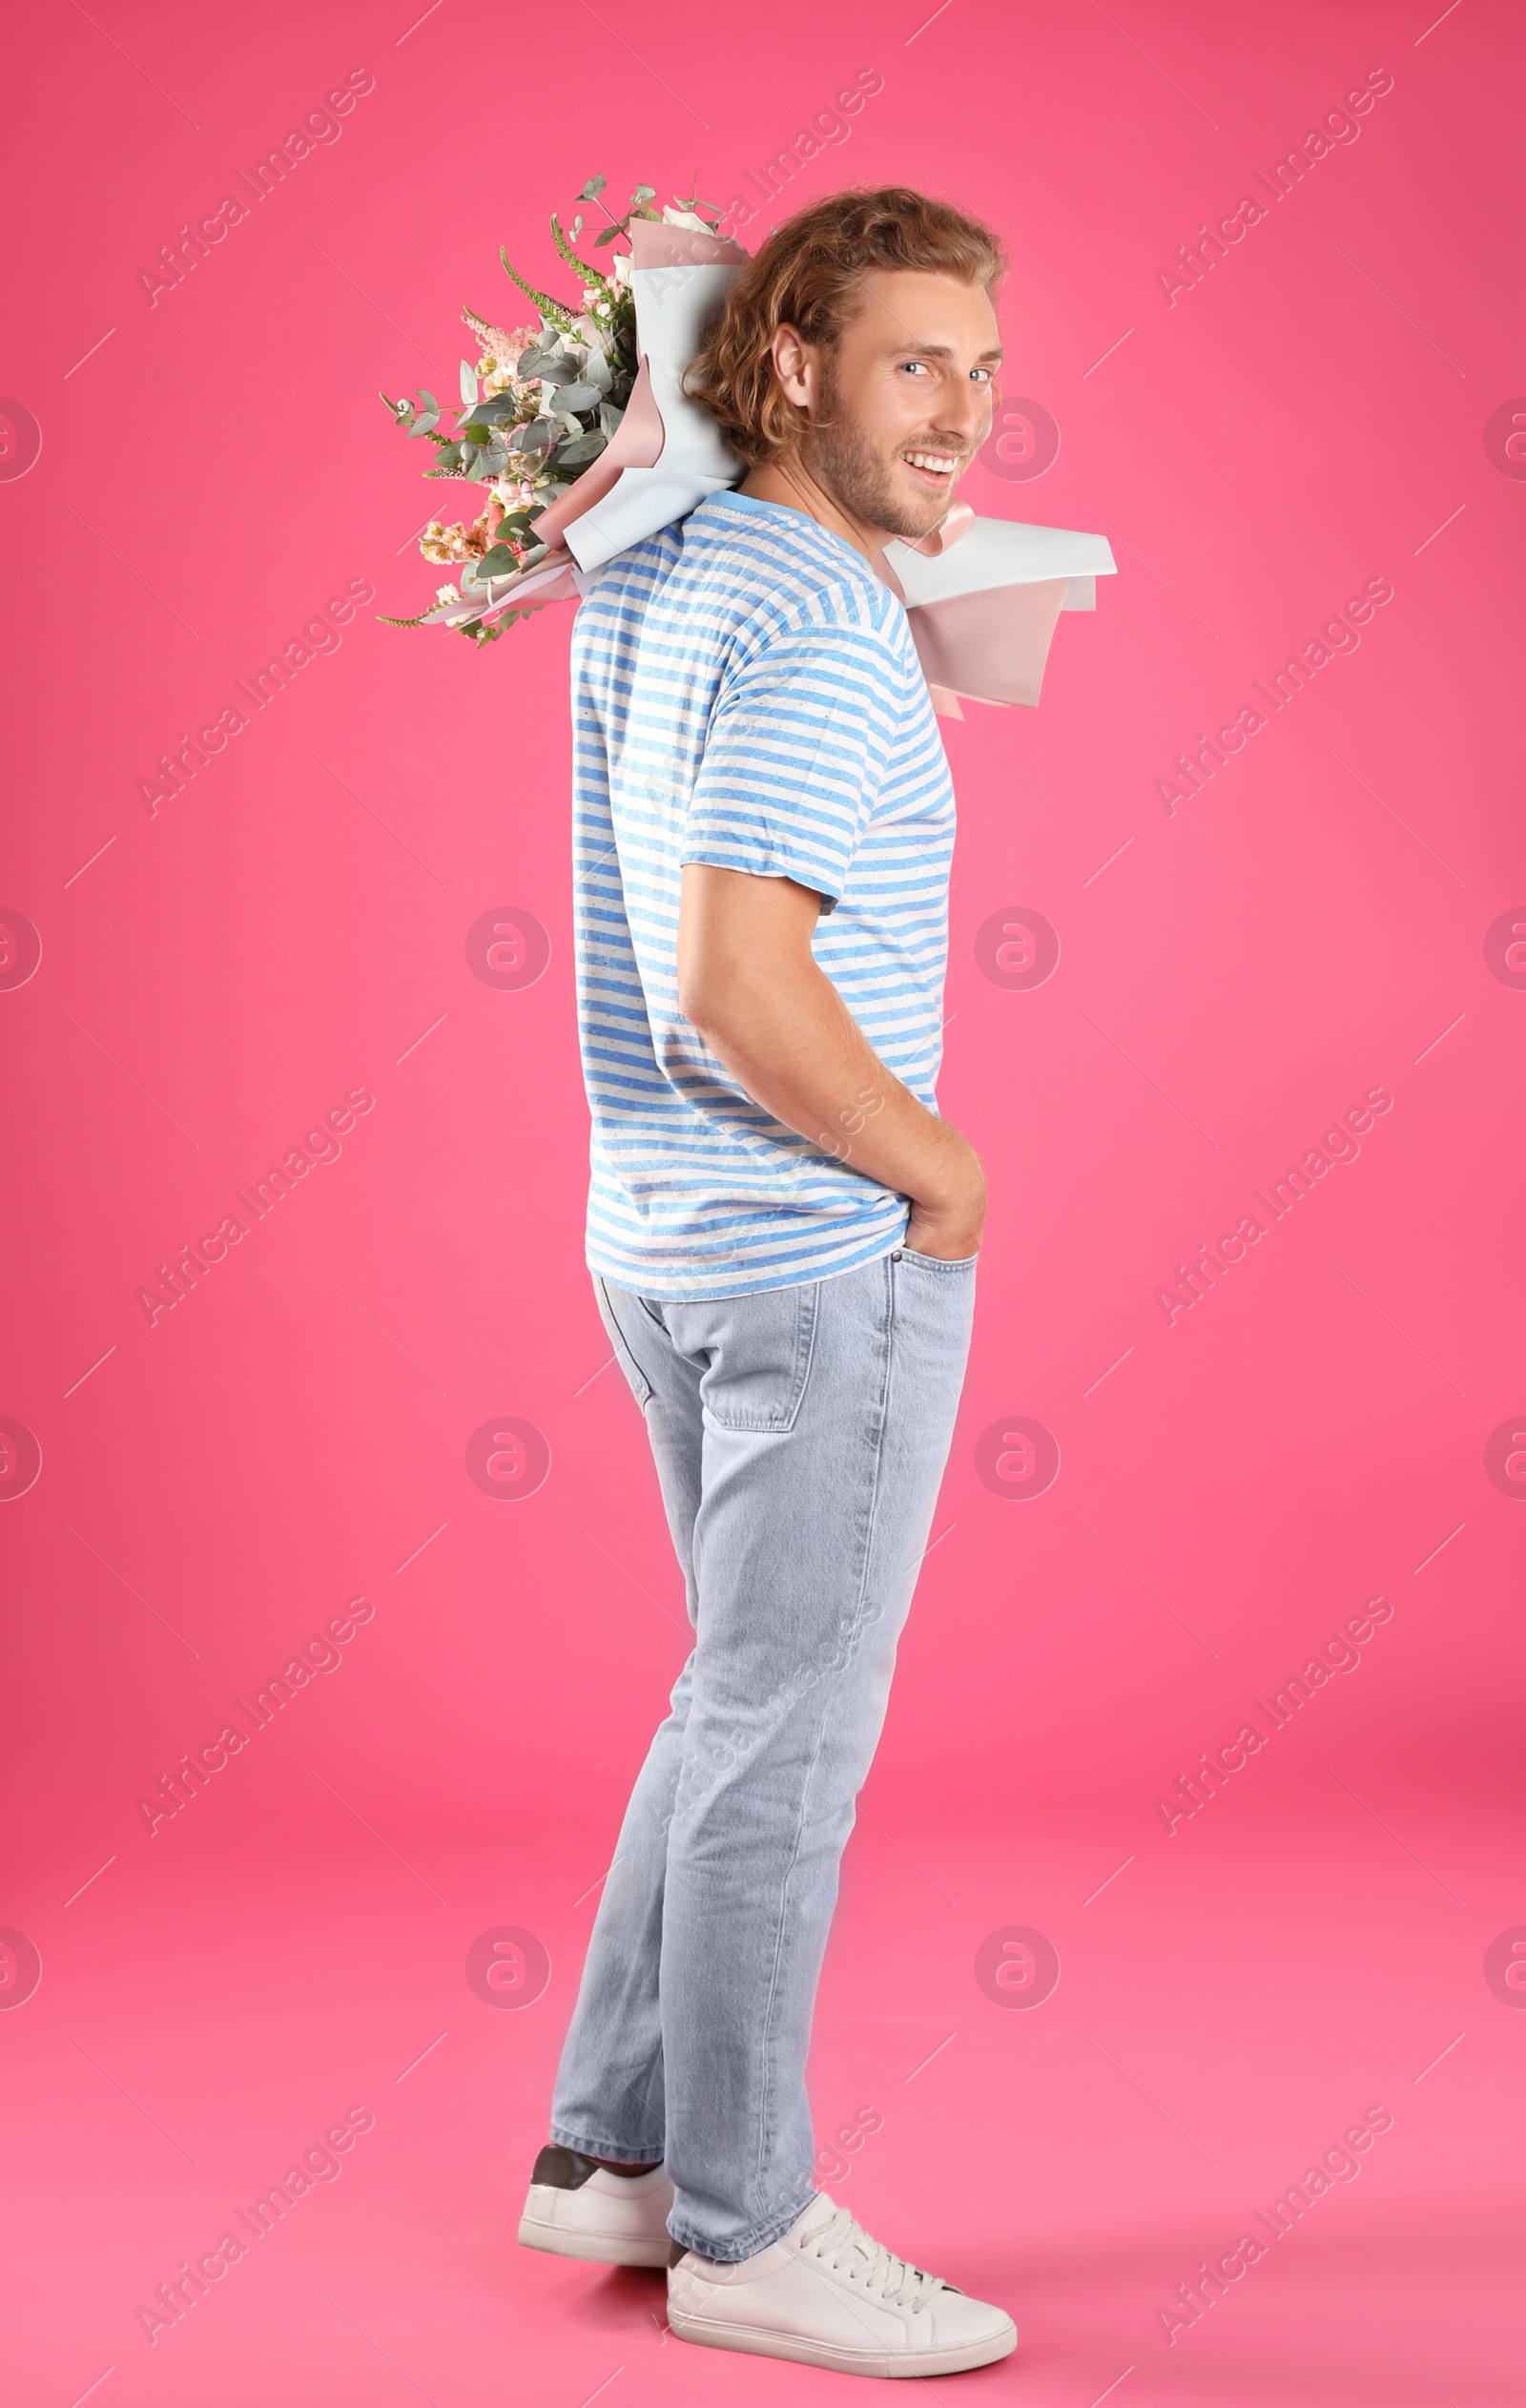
<point x="899" y="406"/>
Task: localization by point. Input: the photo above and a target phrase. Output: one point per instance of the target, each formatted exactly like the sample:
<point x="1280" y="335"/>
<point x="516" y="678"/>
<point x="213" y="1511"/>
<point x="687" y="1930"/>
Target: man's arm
<point x="749" y="982"/>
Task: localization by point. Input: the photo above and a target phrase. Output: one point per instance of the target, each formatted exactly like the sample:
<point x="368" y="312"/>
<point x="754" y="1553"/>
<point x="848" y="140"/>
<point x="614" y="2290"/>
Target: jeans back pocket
<point x="756" y="1352"/>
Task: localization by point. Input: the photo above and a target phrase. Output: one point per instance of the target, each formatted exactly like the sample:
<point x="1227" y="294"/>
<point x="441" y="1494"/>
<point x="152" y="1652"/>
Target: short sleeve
<point x="796" y="749"/>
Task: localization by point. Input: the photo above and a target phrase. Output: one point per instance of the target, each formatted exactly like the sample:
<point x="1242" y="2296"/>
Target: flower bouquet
<point x="586" y="443"/>
<point x="544" y="405"/>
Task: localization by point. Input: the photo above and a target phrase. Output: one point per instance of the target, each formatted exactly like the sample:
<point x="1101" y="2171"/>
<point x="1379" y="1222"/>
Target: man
<point x="783" y="1235"/>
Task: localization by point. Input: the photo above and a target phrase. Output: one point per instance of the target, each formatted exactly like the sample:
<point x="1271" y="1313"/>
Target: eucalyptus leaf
<point x="499" y="561"/>
<point x="607" y="233"/>
<point x="468" y="382"/>
<point x="577" y="397"/>
<point x="424" y="426"/>
<point x="577" y="453"/>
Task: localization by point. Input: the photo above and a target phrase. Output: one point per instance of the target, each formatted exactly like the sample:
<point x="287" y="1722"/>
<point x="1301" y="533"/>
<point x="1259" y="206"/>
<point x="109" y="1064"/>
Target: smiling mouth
<point x="935" y="469"/>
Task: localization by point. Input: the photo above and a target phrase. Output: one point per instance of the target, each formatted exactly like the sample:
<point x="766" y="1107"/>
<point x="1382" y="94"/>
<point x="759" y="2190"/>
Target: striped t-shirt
<point x="746" y="691"/>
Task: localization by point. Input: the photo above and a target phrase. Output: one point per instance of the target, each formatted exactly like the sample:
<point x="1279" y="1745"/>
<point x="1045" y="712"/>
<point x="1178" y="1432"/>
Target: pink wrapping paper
<point x="990" y="647"/>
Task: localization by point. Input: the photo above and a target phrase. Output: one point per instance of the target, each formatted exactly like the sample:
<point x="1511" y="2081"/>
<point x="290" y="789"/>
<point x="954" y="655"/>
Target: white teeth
<point x="937" y="461"/>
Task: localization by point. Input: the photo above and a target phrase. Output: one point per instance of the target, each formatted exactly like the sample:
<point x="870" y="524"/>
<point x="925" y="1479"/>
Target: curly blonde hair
<point x="807" y="276"/>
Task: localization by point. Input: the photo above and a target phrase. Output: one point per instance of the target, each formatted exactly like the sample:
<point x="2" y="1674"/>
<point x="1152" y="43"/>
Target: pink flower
<point x="501" y="348"/>
<point x="456" y="541"/>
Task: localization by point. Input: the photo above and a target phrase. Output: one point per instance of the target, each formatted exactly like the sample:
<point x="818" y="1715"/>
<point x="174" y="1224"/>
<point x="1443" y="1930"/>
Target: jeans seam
<point x="883" y="1419"/>
<point x="810" y="1353"/>
<point x="624" y="1354"/>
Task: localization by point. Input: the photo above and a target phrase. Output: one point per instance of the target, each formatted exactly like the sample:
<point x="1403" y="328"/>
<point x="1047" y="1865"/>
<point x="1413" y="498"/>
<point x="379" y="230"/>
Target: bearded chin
<point x="842" y="461"/>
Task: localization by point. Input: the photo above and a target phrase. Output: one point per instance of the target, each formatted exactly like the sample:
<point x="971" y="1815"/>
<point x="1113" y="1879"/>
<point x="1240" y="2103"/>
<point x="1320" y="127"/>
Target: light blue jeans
<point x="800" y="1437"/>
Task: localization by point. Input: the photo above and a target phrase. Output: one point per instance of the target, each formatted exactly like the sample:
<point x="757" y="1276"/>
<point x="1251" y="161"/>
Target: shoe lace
<point x="844" y="2245"/>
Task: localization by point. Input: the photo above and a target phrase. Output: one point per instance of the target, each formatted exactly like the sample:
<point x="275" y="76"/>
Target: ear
<point x="795" y="365"/>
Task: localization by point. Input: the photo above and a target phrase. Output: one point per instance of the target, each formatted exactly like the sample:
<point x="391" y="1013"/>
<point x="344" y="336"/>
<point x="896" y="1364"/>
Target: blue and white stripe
<point x="746" y="691"/>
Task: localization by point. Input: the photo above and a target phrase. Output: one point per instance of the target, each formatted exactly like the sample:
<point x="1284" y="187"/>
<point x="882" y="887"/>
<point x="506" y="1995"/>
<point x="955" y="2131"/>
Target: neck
<point x="785" y="480"/>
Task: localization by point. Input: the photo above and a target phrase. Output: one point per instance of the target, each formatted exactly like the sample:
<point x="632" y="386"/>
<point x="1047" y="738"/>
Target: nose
<point x="967" y="411"/>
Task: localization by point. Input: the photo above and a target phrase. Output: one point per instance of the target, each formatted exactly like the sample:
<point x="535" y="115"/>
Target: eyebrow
<point x="943" y="351"/>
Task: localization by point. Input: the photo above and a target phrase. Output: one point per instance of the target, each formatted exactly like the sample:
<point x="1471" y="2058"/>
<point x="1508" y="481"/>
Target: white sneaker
<point x="827" y="2295"/>
<point x="578" y="2209"/>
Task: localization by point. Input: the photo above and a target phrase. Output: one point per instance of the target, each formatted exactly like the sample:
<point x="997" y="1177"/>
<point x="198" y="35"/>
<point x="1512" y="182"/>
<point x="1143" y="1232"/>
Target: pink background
<point x="1321" y="410"/>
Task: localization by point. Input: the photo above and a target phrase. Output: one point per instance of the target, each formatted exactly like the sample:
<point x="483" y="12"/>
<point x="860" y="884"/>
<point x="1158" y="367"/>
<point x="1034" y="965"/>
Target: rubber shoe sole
<point x="759" y="2342"/>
